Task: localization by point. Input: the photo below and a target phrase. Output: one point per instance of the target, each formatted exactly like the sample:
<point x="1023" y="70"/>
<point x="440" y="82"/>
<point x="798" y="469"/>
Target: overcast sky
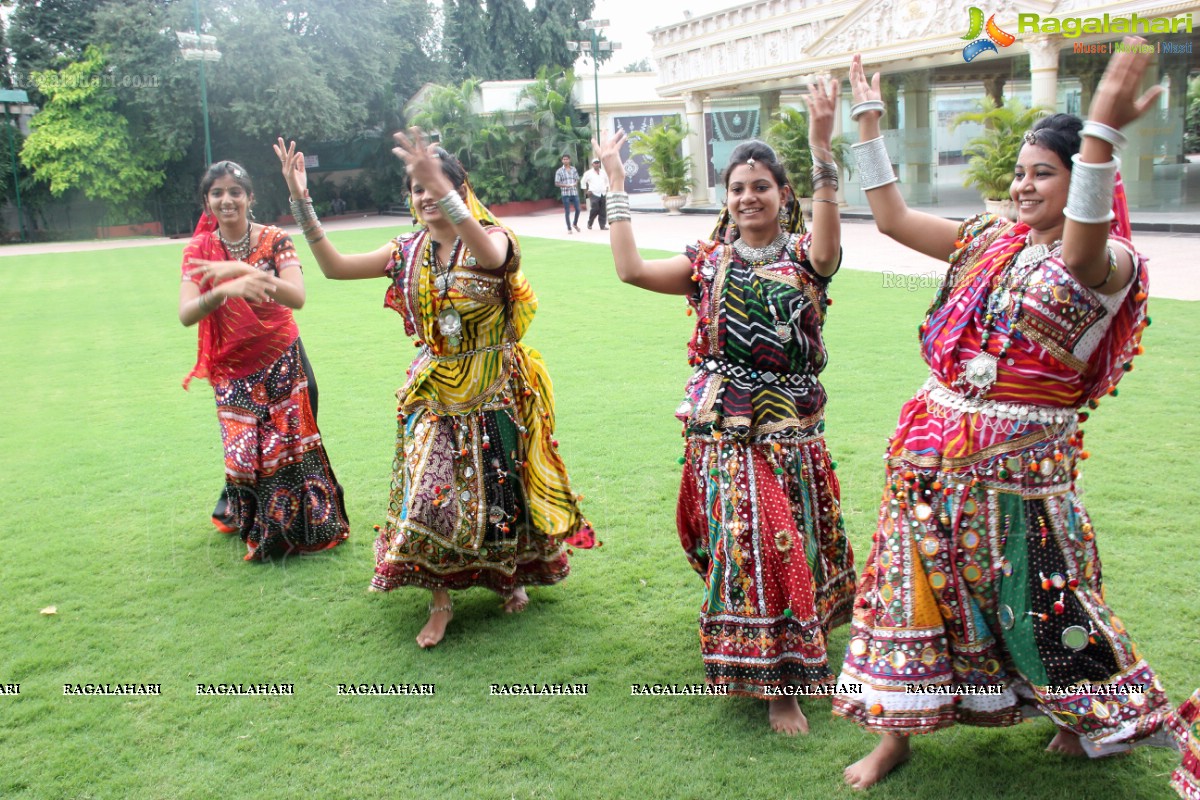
<point x="633" y="19"/>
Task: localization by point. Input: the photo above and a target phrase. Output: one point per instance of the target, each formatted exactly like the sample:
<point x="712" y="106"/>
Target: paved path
<point x="1171" y="254"/>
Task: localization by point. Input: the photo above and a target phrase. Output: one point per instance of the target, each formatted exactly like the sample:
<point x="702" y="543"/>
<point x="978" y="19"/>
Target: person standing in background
<point x="595" y="183"/>
<point x="567" y="179"/>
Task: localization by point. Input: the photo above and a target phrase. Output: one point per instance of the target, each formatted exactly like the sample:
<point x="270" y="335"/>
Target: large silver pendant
<point x="450" y="325"/>
<point x="1032" y="254"/>
<point x="980" y="371"/>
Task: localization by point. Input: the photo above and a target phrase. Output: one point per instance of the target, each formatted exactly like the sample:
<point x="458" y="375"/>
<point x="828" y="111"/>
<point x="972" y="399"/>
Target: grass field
<point x="112" y="470"/>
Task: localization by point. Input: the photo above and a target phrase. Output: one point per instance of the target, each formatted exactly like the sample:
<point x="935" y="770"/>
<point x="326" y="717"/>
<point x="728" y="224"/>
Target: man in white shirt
<point x="595" y="183"/>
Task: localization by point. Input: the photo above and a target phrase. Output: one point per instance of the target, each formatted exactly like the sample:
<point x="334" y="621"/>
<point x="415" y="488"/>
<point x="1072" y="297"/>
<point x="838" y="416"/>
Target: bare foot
<point x="1066" y="743"/>
<point x="515" y="603"/>
<point x="441" y="611"/>
<point x="786" y="717"/>
<point x="891" y="752"/>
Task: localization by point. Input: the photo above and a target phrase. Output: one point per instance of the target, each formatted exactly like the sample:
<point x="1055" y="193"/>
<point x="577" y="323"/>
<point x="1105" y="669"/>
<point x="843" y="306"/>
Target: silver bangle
<point x="874" y="164"/>
<point x="621" y="216"/>
<point x="1107" y="133"/>
<point x="824" y="200"/>
<point x="824" y="173"/>
<point x="858" y="109"/>
<point x="306" y="218"/>
<point x="1112" y="270"/>
<point x="1089" y="200"/>
<point x="454" y="208"/>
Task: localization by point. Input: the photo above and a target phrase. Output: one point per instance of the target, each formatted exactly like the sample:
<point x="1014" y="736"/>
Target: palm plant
<point x="661" y="146"/>
<point x="789" y="136"/>
<point x="554" y="126"/>
<point x="993" y="153"/>
<point x="450" y="112"/>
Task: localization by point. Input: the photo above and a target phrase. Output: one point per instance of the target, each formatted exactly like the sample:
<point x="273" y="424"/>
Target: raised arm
<point x="825" y="251"/>
<point x="925" y="233"/>
<point x="1115" y="104"/>
<point x="666" y="275"/>
<point x="420" y="160"/>
<point x="333" y="264"/>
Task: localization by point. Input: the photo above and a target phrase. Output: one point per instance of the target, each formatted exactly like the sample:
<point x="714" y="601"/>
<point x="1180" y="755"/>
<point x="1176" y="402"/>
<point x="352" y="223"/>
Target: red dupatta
<point x="238" y="338"/>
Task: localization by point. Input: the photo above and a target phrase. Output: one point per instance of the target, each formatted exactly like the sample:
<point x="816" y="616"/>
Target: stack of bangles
<point x="205" y="302"/>
<point x="618" y="207"/>
<point x="824" y="175"/>
<point x="306" y="218"/>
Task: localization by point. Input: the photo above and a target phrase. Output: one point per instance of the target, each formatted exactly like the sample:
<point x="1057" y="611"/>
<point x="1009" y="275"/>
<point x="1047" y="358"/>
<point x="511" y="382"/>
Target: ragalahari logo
<point x="994" y="37"/>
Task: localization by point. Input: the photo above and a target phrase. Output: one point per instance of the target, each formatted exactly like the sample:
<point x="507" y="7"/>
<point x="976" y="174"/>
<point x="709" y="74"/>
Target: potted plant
<point x="993" y="153"/>
<point x="789" y="136"/>
<point x="670" y="171"/>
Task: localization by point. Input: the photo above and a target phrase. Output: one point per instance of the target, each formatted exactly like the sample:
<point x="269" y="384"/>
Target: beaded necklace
<point x="1011" y="285"/>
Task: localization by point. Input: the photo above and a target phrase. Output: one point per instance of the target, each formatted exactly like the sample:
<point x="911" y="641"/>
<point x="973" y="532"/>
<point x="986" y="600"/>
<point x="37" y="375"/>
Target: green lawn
<point x="112" y="470"/>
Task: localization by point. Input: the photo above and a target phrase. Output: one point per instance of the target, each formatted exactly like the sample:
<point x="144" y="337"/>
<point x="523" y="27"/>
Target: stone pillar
<point x="994" y="86"/>
<point x="1137" y="159"/>
<point x="1043" y="70"/>
<point x="916" y="142"/>
<point x="1176" y="69"/>
<point x="768" y="107"/>
<point x="845" y="100"/>
<point x="693" y="109"/>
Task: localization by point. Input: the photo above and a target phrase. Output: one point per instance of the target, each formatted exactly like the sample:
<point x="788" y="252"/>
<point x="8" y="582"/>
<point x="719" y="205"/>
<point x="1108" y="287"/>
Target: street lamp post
<point x="19" y="96"/>
<point x="594" y="46"/>
<point x="200" y="47"/>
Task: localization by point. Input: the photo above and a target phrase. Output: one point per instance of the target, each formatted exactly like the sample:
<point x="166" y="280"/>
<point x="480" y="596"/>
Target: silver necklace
<point x="448" y="319"/>
<point x="1007" y="299"/>
<point x="767" y="254"/>
<point x="1035" y="253"/>
<point x="239" y="249"/>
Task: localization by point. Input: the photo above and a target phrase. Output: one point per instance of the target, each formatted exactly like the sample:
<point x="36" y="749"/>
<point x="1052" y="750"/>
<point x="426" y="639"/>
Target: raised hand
<point x="608" y="150"/>
<point x="421" y="162"/>
<point x="291" y="163"/>
<point x="1116" y="101"/>
<point x="860" y="87"/>
<point x="212" y="273"/>
<point x="821" y="100"/>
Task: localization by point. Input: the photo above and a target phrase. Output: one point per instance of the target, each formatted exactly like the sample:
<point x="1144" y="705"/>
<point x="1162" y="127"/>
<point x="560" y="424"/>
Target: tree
<point x="510" y="27"/>
<point x="449" y="112"/>
<point x="149" y="78"/>
<point x="556" y="126"/>
<point x="79" y="142"/>
<point x="638" y="66"/>
<point x="556" y="22"/>
<point x="45" y="34"/>
<point x="5" y="78"/>
<point x="465" y="45"/>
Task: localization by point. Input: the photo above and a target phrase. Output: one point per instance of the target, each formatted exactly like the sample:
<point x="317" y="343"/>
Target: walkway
<point x="865" y="248"/>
